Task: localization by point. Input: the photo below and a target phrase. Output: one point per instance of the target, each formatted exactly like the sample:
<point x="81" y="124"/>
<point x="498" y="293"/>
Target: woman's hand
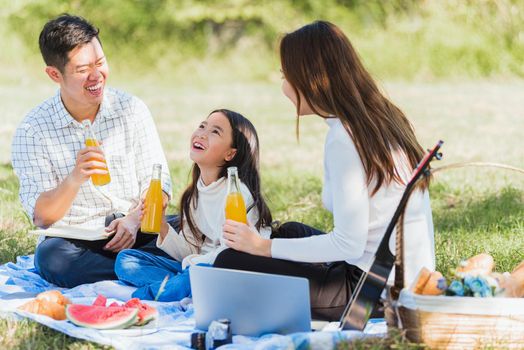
<point x="245" y="238"/>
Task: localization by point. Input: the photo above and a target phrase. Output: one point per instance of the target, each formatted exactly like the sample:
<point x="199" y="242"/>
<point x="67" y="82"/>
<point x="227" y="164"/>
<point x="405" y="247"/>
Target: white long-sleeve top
<point x="209" y="217"/>
<point x="360" y="218"/>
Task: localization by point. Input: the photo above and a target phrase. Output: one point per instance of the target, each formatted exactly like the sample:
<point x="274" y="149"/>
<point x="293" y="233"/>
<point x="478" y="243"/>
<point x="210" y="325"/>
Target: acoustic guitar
<point x="370" y="286"/>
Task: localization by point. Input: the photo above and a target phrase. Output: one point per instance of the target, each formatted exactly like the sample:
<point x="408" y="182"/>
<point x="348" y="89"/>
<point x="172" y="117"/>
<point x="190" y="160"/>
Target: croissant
<point x="45" y="307"/>
<point x="481" y="264"/>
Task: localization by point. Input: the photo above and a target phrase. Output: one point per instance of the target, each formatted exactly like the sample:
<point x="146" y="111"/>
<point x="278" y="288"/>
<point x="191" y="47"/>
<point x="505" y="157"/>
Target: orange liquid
<point x="98" y="179"/>
<point x="153" y="212"/>
<point x="236" y="208"/>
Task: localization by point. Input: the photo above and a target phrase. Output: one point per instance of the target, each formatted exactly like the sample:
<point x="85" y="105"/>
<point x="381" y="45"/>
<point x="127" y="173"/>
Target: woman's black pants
<point x="330" y="284"/>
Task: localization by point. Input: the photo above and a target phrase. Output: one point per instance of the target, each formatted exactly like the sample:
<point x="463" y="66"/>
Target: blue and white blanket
<point x="172" y="329"/>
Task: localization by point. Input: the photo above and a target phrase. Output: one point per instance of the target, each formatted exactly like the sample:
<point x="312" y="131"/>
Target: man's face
<point x="83" y="80"/>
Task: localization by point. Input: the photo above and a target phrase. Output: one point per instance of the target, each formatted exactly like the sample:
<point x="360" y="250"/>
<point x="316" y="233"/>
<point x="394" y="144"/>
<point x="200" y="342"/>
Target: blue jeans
<point x="71" y="262"/>
<point x="147" y="271"/>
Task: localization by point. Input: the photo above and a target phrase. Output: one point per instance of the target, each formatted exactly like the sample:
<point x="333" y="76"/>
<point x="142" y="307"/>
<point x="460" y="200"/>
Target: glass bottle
<point x="235" y="205"/>
<point x="91" y="141"/>
<point x="152" y="220"/>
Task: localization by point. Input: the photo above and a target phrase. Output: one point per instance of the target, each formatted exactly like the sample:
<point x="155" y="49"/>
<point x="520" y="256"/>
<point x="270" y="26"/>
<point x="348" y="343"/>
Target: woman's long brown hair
<point x="246" y="159"/>
<point x="322" y="66"/>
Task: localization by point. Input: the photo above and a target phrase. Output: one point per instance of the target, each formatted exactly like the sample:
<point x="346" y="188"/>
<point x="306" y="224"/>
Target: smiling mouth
<point x="198" y="146"/>
<point x="95" y="89"/>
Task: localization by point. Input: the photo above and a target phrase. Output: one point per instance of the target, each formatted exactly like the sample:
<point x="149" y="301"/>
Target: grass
<point x="474" y="210"/>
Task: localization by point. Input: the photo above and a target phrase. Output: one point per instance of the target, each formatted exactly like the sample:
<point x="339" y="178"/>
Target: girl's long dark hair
<point x="246" y="159"/>
<point x="320" y="63"/>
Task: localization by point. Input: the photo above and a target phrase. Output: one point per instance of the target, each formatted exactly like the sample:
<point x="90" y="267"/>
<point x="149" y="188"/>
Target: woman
<point x="369" y="153"/>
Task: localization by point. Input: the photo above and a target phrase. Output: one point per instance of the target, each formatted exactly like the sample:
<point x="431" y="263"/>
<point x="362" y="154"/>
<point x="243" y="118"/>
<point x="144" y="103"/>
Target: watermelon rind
<point x="121" y="318"/>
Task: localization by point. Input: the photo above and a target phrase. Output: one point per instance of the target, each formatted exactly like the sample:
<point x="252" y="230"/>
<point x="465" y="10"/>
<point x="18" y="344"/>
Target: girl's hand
<point x="244" y="238"/>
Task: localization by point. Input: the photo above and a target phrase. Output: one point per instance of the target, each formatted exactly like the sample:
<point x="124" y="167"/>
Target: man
<point x="54" y="167"/>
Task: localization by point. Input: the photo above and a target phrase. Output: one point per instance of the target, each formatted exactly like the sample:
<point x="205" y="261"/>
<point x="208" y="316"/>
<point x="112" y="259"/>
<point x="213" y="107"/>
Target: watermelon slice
<point x="100" y="300"/>
<point x="145" y="312"/>
<point x="101" y="317"/>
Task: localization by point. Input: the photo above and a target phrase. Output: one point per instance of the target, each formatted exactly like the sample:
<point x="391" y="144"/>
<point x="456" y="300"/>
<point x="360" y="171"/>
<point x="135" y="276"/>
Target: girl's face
<point x="211" y="142"/>
<point x="287" y="89"/>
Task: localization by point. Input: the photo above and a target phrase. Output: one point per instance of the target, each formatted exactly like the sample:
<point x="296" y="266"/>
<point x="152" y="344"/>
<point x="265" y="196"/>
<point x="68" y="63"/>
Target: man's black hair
<point x="61" y="35"/>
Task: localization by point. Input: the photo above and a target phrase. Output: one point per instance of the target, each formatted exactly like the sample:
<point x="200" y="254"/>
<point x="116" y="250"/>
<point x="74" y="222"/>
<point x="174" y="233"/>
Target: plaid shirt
<point x="47" y="141"/>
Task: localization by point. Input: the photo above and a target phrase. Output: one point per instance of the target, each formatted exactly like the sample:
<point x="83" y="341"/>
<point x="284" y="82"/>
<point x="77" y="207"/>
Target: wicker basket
<point x="461" y="322"/>
<point x="444" y="322"/>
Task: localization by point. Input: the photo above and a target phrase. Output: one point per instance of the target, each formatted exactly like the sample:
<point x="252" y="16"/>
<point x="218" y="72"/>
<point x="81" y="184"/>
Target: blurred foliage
<point x="396" y="38"/>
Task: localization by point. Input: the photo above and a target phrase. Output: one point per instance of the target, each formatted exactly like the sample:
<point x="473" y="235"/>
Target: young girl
<point x="224" y="139"/>
<point x="369" y="153"/>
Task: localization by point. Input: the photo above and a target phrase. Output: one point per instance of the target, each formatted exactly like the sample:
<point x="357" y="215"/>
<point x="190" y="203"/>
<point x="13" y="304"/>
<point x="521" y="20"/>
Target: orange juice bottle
<point x="91" y="141"/>
<point x="235" y="205"/>
<point x="152" y="219"/>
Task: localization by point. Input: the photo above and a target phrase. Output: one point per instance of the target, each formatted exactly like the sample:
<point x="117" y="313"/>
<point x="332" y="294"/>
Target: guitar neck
<point x="384" y="254"/>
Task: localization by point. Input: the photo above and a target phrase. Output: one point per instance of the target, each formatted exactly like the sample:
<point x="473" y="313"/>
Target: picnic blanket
<point x="172" y="329"/>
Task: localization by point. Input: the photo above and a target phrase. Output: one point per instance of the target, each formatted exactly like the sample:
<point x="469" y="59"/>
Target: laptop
<point x="255" y="303"/>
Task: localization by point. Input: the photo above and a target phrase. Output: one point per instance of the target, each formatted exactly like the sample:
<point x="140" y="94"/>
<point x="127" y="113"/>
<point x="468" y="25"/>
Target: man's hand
<point x="89" y="161"/>
<point x="52" y="205"/>
<point x="244" y="238"/>
<point x="125" y="230"/>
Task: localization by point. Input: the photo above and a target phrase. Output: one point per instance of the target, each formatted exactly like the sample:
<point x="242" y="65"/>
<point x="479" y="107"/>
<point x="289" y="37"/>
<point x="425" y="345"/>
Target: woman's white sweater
<point x="360" y="218"/>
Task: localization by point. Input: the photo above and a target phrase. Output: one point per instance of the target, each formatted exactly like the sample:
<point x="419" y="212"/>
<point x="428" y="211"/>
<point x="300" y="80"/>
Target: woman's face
<point x="211" y="142"/>
<point x="287" y="89"/>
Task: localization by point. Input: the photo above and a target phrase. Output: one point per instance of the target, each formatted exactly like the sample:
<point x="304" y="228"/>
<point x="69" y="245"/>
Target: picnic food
<point x="101" y="317"/>
<point x="113" y="316"/>
<point x="429" y="283"/>
<point x="100" y="300"/>
<point x="145" y="312"/>
<point x="420" y="281"/>
<point x="45" y="307"/>
<point x="473" y="277"/>
<point x="513" y="284"/>
<point x="435" y="285"/>
<point x="54" y="296"/>
<point x="152" y="220"/>
<point x="51" y="303"/>
<point x="481" y="264"/>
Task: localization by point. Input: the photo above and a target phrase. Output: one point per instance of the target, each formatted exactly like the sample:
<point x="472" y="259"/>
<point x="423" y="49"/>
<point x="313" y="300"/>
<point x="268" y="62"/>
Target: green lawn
<point x="474" y="210"/>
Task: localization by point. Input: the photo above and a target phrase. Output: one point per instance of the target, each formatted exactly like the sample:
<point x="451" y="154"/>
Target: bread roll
<point x="432" y="285"/>
<point x="517" y="275"/>
<point x="420" y="281"/>
<point x="481" y="264"/>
